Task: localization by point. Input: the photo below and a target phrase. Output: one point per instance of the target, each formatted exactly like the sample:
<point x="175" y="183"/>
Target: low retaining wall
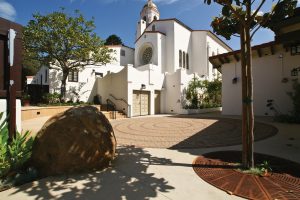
<point x="199" y="111"/>
<point x="35" y="112"/>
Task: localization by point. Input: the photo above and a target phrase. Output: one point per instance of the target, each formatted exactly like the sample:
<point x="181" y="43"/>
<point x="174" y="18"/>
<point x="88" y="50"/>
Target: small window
<point x="180" y="58"/>
<point x="183" y="59"/>
<point x="73" y="76"/>
<point x="153" y="28"/>
<point x="155" y="18"/>
<point x="295" y="50"/>
<point x="144" y="18"/>
<point x="122" y="52"/>
<point x="187" y="61"/>
<point x="99" y="75"/>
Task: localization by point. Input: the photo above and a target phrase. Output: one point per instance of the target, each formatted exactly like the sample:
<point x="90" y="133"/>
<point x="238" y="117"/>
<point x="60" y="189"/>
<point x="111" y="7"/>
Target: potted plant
<point x="26" y="99"/>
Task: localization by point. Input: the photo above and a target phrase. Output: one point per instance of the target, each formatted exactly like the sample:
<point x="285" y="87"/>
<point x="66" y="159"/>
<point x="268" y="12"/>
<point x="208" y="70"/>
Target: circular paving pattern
<point x="184" y="132"/>
<point x="283" y="183"/>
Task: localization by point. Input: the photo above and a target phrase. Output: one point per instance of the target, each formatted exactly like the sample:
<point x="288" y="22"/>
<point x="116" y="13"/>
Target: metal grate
<point x="216" y="168"/>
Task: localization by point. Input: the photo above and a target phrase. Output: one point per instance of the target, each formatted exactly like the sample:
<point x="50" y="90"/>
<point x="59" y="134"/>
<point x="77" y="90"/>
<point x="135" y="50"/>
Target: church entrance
<point x="140" y="103"/>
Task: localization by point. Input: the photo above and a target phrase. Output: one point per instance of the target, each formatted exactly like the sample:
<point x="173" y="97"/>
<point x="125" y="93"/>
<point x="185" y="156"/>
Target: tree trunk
<point x="244" y="97"/>
<point x="63" y="86"/>
<point x="250" y="114"/>
<point x="247" y="92"/>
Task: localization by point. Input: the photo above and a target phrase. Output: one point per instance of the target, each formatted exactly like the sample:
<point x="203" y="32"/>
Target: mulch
<point x="220" y="170"/>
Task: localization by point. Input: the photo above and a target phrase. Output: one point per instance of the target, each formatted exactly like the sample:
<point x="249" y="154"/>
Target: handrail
<point x="119" y="99"/>
<point x="110" y="103"/>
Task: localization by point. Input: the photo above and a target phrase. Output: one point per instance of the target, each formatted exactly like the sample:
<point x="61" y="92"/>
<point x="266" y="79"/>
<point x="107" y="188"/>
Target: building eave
<point x="120" y="45"/>
<point x="151" y="32"/>
<point x="261" y="50"/>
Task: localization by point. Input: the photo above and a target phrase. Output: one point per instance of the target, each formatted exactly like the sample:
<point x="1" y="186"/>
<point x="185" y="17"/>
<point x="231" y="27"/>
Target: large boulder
<point x="77" y="140"/>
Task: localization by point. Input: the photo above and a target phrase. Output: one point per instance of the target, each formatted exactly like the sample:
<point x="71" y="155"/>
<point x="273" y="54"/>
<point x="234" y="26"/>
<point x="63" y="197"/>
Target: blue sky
<point x="120" y="16"/>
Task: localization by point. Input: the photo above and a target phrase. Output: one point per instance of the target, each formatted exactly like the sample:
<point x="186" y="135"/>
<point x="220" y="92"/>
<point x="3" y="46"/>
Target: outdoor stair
<point x="112" y="114"/>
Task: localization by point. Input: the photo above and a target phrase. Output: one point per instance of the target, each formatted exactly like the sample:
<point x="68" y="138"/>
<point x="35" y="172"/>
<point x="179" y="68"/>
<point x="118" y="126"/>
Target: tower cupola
<point x="149" y="12"/>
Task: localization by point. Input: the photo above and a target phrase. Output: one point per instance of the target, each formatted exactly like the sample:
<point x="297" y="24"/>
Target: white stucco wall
<point x="183" y="42"/>
<point x="166" y="27"/>
<point x="115" y="84"/>
<point x="118" y="58"/>
<point x="199" y="53"/>
<point x="85" y="87"/>
<point x="3" y="108"/>
<point x="157" y="42"/>
<point x="214" y="48"/>
<point x="268" y="73"/>
<point x="149" y="75"/>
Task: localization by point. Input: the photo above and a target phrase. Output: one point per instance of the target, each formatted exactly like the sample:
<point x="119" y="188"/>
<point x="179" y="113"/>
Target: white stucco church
<point x="151" y="77"/>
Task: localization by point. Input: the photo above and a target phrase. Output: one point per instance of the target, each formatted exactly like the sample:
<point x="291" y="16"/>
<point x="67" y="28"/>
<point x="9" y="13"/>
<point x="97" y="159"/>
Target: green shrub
<point x="13" y="155"/>
<point x="294" y="116"/>
<point x="203" y="94"/>
<point x="51" y="98"/>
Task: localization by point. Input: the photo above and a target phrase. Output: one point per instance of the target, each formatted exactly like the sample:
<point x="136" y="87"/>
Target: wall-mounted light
<point x="143" y="86"/>
<point x="235" y="80"/>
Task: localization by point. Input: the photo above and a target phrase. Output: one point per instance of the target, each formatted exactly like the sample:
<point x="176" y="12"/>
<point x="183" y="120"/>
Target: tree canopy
<point x="63" y="42"/>
<point x="113" y="40"/>
<point x="243" y="18"/>
<point x="234" y="14"/>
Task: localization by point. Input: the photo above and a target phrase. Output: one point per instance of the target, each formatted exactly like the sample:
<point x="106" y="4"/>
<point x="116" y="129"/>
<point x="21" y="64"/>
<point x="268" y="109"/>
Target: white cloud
<point x="7" y="11"/>
<point x="165" y="1"/>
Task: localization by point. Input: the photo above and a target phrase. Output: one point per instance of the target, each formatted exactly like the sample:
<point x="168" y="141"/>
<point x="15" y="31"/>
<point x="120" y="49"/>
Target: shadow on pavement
<point x="126" y="178"/>
<point x="224" y="132"/>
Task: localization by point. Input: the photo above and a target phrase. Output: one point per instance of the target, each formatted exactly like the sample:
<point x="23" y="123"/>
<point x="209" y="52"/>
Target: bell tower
<point x="148" y="14"/>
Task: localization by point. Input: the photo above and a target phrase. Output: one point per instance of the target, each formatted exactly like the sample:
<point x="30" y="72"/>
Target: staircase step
<point x="111" y="115"/>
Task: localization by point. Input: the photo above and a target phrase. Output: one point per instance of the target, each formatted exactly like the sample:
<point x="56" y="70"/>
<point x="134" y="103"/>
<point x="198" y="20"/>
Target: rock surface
<point x="77" y="140"/>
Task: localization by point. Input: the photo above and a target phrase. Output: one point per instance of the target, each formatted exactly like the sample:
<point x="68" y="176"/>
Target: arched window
<point x="153" y="28"/>
<point x="155" y="18"/>
<point x="183" y="59"/>
<point x="187" y="61"/>
<point x="180" y="58"/>
<point x="144" y="18"/>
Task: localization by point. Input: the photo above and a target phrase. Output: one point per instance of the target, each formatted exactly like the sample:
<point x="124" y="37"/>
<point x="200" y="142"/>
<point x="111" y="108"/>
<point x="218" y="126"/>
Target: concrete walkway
<point x="152" y="173"/>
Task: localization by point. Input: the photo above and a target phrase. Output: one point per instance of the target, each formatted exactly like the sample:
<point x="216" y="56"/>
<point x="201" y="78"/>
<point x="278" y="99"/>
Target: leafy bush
<point x="13" y="155"/>
<point x="294" y="117"/>
<point x="203" y="94"/>
<point x="51" y="98"/>
<point x="25" y="96"/>
<point x="295" y="96"/>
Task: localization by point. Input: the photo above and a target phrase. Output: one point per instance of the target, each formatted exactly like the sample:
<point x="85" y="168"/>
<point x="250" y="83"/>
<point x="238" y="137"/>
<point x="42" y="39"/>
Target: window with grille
<point x="73" y="76"/>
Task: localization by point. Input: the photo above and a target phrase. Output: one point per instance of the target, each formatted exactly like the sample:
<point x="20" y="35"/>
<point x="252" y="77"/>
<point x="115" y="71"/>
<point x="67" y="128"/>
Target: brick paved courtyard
<point x="178" y="132"/>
